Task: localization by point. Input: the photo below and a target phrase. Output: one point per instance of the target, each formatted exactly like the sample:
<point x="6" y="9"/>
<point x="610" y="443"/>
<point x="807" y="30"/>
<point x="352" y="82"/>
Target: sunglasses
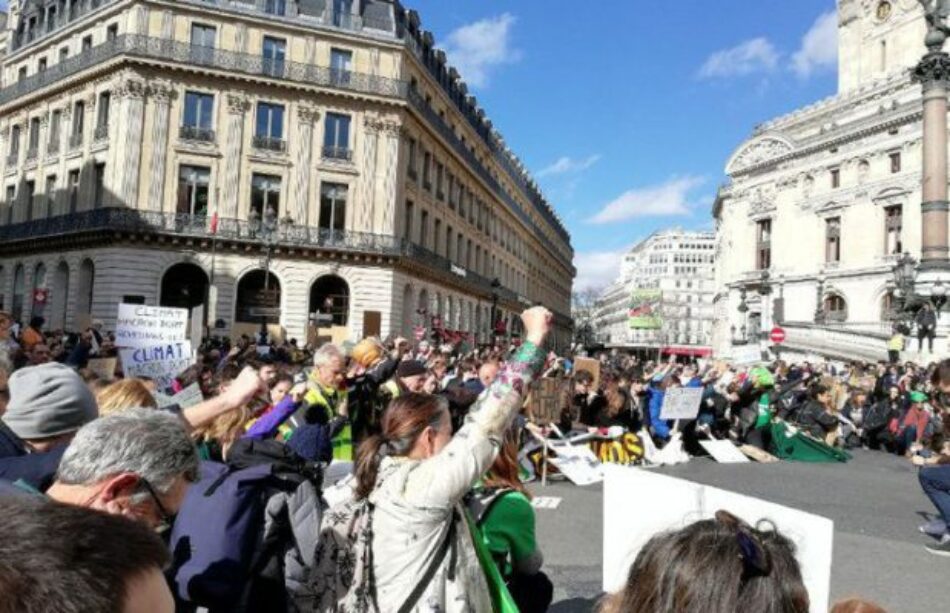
<point x="167" y="519"/>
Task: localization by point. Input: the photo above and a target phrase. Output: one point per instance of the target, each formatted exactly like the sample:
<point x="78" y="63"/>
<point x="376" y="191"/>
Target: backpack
<point x="220" y="559"/>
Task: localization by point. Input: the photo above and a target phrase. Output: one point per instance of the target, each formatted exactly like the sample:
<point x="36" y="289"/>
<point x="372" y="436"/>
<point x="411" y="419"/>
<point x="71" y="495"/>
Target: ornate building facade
<point x="822" y="203"/>
<point x="170" y="152"/>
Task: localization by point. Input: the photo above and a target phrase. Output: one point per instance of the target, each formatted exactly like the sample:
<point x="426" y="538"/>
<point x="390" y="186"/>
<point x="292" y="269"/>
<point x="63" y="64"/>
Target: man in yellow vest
<point x="325" y="400"/>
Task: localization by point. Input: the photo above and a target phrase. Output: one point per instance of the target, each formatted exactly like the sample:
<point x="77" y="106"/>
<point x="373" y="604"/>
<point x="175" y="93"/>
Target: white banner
<point x="579" y="464"/>
<point x="681" y="403"/>
<point x="161" y="363"/>
<point x="724" y="452"/>
<point x="664" y="503"/>
<point x="140" y="326"/>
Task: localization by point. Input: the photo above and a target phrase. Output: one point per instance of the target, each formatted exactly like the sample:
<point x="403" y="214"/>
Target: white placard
<point x="188" y="397"/>
<point x="681" y="403"/>
<point x="161" y="363"/>
<point x="141" y="326"/>
<point x="746" y="355"/>
<point x="664" y="503"/>
<point x="724" y="452"/>
<point x="546" y="502"/>
<point x="579" y="464"/>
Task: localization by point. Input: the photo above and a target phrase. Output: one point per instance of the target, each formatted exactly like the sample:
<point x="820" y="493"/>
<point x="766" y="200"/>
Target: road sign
<point x="266" y="297"/>
<point x="263" y="312"/>
<point x="777" y="336"/>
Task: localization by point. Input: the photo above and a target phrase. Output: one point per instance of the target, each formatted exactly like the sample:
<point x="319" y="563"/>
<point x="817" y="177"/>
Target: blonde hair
<point x="225" y="429"/>
<point x="124" y="394"/>
<point x="367" y="352"/>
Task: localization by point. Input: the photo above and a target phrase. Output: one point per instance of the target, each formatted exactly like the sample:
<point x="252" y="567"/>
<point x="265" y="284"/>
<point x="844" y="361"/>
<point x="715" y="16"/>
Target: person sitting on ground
<point x="56" y="557"/>
<point x="501" y="507"/>
<point x="719" y="565"/>
<point x="877" y="418"/>
<point x="817" y="417"/>
<point x="48" y="404"/>
<point x="587" y="402"/>
<point x="913" y="425"/>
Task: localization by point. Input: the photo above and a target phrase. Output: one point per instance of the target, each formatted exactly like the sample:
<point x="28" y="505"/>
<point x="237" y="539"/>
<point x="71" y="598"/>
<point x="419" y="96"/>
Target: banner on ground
<point x="665" y="503"/>
<point x="138" y="325"/>
<point x="645" y="309"/>
<point x="681" y="403"/>
<point x="161" y="363"/>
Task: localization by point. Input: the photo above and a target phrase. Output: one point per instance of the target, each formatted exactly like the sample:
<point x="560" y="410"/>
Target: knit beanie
<point x="48" y="400"/>
<point x="410" y="368"/>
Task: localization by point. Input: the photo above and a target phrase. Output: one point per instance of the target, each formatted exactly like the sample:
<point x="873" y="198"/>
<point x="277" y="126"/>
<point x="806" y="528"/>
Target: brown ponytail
<point x="404" y="421"/>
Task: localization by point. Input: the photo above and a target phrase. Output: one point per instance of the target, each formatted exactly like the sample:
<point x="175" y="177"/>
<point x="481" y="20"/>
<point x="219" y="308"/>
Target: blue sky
<point x="627" y="110"/>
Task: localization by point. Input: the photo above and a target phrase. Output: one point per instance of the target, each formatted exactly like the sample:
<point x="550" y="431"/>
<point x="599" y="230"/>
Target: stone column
<point x="302" y="213"/>
<point x="161" y="93"/>
<point x="365" y="204"/>
<point x="388" y="177"/>
<point x="238" y="104"/>
<point x="933" y="73"/>
<point x="127" y="133"/>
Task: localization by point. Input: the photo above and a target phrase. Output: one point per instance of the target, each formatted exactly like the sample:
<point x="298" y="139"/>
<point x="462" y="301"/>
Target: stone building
<point x="680" y="265"/>
<point x="822" y="203"/>
<point x="169" y="152"/>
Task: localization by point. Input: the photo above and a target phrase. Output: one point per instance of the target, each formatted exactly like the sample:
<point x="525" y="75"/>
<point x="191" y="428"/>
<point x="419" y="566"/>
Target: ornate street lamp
<point x="265" y="229"/>
<point x="820" y="294"/>
<point x="939" y="294"/>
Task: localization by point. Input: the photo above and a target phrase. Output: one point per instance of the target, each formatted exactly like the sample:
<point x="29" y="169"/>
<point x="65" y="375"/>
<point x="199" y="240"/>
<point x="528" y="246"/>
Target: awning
<point x="687" y="351"/>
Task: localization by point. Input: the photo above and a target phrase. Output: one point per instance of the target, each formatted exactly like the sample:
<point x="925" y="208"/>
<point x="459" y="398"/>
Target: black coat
<point x="814" y="419"/>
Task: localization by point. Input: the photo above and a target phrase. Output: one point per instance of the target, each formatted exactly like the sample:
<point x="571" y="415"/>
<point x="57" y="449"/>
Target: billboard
<point x="645" y="309"/>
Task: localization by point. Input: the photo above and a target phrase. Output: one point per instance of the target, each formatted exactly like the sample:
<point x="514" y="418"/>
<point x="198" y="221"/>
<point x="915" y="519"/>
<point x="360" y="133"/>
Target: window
<point x="86" y="43"/>
<point x="102" y="114"/>
<point x="79" y="118"/>
<point x="34" y="143"/>
<point x="333" y="206"/>
<point x="460" y="249"/>
<point x="341" y="63"/>
<point x="28" y="196"/>
<point x="451" y="190"/>
<point x="833" y="239"/>
<point x="836" y="309"/>
<point x="112" y="32"/>
<point x="63" y="54"/>
<point x="763" y="247"/>
<point x="448" y="242"/>
<point x="99" y="176"/>
<point x="276" y="7"/>
<point x="426" y="173"/>
<point x="50" y="194"/>
<point x="269" y="128"/>
<point x="274" y="54"/>
<point x="41" y="65"/>
<point x="265" y="197"/>
<point x="342" y="10"/>
<point x="193" y="187"/>
<point x="409" y="219"/>
<point x="197" y="121"/>
<point x="893" y="224"/>
<point x="895" y="158"/>
<point x="21" y="74"/>
<point x="439" y="175"/>
<point x="835" y="178"/>
<point x="50" y="19"/>
<point x="336" y="138"/>
<point x="73" y="190"/>
<point x="10" y="200"/>
<point x="424" y="229"/>
<point x="202" y="43"/>
<point x="437" y="232"/>
<point x="412" y="159"/>
<point x="14" y="144"/>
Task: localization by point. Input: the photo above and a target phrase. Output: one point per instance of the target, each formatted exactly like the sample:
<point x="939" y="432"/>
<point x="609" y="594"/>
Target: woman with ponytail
<point x="411" y="479"/>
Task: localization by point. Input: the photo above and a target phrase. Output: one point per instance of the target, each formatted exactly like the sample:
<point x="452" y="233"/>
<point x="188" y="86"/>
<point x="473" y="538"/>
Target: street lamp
<point x="820" y="294"/>
<point x="265" y="229"/>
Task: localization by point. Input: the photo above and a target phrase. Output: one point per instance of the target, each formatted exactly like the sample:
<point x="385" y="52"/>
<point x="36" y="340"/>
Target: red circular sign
<point x="39" y="296"/>
<point x="777" y="336"/>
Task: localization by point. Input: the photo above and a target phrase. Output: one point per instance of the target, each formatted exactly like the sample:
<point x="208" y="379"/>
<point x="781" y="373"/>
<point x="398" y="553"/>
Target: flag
<point x="214" y="223"/>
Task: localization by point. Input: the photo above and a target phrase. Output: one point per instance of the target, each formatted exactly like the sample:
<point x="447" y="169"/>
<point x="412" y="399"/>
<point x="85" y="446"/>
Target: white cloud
<point x="566" y="165"/>
<point x="669" y="198"/>
<point x="819" y="49"/>
<point x="751" y="56"/>
<point x="597" y="269"/>
<point x="476" y="48"/>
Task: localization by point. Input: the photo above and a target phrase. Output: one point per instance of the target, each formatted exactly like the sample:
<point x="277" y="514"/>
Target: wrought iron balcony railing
<point x="338" y="153"/>
<point x="269" y="143"/>
<point x="79" y="9"/>
<point x="195" y="133"/>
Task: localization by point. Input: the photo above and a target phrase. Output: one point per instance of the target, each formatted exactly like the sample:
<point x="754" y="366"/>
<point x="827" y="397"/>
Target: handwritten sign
<point x="579" y="464"/>
<point x="104" y="368"/>
<point x="161" y="363"/>
<point x="681" y="403"/>
<point x="548" y="397"/>
<point x="142" y="326"/>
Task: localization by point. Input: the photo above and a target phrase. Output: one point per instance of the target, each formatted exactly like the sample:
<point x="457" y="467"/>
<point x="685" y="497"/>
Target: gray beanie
<point x="48" y="400"/>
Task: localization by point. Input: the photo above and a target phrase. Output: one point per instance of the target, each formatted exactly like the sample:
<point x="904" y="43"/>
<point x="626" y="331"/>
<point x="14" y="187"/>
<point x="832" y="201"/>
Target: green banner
<point x="645" y="309"/>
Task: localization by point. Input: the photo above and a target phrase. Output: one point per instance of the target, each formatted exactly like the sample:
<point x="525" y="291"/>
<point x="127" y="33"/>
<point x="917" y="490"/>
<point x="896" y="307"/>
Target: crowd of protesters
<point x="349" y="469"/>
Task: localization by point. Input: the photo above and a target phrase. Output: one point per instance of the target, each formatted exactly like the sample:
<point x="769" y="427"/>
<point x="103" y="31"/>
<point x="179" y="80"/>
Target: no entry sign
<point x="777" y="336"/>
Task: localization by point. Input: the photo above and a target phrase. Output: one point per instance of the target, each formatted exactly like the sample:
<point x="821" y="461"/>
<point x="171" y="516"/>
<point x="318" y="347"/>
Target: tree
<point x="584" y="311"/>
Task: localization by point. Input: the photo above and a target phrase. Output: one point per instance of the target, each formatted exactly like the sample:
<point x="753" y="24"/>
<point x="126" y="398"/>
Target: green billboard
<point x="645" y="309"/>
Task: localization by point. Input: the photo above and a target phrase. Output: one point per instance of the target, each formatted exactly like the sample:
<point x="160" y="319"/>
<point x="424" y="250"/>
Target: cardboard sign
<point x="142" y="326"/>
<point x="104" y="368"/>
<point x="83" y="321"/>
<point x="546" y="400"/>
<point x="590" y="365"/>
<point x="161" y="363"/>
<point x="579" y="464"/>
<point x="188" y="397"/>
<point x="665" y="503"/>
<point x="681" y="403"/>
<point x="724" y="452"/>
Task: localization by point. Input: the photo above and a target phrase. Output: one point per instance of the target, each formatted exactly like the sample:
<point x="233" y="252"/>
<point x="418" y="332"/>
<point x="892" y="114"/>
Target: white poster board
<point x="666" y="503"/>
<point x="188" y="397"/>
<point x="579" y="464"/>
<point x="747" y="355"/>
<point x="139" y="325"/>
<point x="161" y="363"/>
<point x="681" y="403"/>
<point x="724" y="452"/>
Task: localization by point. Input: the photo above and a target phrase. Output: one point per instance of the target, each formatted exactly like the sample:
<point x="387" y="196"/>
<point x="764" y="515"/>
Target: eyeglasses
<point x="756" y="561"/>
<point x="167" y="519"/>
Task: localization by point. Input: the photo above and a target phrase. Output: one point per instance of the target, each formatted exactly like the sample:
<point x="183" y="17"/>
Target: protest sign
<point x="162" y="363"/>
<point x="681" y="403"/>
<point x="547" y="398"/>
<point x="104" y="368"/>
<point x="724" y="452"/>
<point x="141" y="326"/>
<point x="579" y="464"/>
<point x="188" y="397"/>
<point x="747" y="355"/>
<point x="666" y="503"/>
<point x="590" y="365"/>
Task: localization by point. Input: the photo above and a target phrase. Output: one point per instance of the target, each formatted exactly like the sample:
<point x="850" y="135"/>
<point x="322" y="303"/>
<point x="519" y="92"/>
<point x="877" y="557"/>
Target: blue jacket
<point x="660" y="427"/>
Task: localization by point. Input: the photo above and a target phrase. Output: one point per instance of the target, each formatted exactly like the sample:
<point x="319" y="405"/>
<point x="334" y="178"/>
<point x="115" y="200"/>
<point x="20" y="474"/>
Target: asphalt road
<point x="874" y="500"/>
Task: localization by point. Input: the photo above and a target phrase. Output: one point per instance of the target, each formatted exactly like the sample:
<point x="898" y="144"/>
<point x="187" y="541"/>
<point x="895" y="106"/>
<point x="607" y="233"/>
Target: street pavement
<point x="875" y="502"/>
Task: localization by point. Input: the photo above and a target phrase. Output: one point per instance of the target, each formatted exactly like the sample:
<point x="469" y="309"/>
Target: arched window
<point x="330" y="297"/>
<point x="254" y="303"/>
<point x="835" y="307"/>
<point x="39" y="282"/>
<point x="87" y="281"/>
<point x="60" y="295"/>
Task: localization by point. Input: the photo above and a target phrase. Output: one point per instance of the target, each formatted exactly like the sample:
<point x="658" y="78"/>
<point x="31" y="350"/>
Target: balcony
<point x="32" y="153"/>
<point x="101" y="133"/>
<point x="270" y="143"/>
<point x="79" y="9"/>
<point x="75" y="141"/>
<point x="52" y="147"/>
<point x="196" y="134"/>
<point x="341" y="154"/>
